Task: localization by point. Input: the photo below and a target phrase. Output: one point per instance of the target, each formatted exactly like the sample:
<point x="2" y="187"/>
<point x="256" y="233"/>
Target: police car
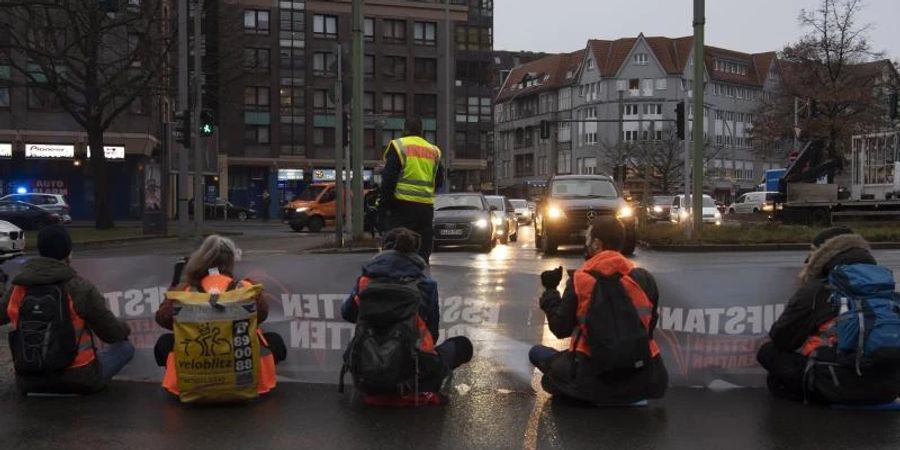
<point x="12" y="240"/>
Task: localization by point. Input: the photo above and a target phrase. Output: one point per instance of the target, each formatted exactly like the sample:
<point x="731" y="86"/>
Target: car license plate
<point x="452" y="232"/>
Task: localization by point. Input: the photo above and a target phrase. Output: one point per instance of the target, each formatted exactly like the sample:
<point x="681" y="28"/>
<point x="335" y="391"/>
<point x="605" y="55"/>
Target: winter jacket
<point x="809" y="307"/>
<point x="88" y="303"/>
<point x="570" y="373"/>
<point x="391" y="265"/>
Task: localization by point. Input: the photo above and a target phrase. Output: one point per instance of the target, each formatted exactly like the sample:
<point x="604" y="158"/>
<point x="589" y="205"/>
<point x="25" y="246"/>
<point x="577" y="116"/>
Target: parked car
<point x="681" y="210"/>
<point x="12" y="240"/>
<point x="504" y="218"/>
<point x="55" y="203"/>
<point x="26" y="216"/>
<point x="221" y="207"/>
<point x="524" y="214"/>
<point x="463" y="219"/>
<point x="572" y="201"/>
<point x="659" y="207"/>
<point x="754" y="202"/>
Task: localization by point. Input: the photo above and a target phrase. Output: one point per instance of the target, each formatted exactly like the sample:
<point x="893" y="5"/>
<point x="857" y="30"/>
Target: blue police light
<point x="21" y="190"/>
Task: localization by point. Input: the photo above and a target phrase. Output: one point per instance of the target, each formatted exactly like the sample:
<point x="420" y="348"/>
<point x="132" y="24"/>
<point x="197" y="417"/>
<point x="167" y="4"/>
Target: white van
<point x="753" y="202"/>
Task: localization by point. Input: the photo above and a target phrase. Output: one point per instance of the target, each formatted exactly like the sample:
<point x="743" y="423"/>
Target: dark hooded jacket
<point x="88" y="303"/>
<point x="391" y="265"/>
<point x="809" y="308"/>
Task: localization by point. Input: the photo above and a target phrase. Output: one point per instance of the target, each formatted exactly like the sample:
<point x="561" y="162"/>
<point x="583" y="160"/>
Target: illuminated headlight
<point x="717" y="215"/>
<point x="300" y="210"/>
<point x="767" y="207"/>
<point x="480" y="223"/>
<point x="625" y="212"/>
<point x="497" y="221"/>
<point x="555" y="213"/>
<point x="684" y="214"/>
<point x="657" y="209"/>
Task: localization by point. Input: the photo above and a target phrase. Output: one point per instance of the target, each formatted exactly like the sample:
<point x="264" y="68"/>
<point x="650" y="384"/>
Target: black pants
<point x="166" y="343"/>
<point x="418" y="217"/>
<point x="453" y="352"/>
<point x="785" y="371"/>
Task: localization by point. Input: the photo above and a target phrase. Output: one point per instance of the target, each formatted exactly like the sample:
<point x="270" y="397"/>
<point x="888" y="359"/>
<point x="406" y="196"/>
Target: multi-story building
<point x="624" y="93"/>
<point x="429" y="59"/>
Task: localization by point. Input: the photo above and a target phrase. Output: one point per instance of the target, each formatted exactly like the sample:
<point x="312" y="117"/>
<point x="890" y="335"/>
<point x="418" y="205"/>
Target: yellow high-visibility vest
<point x="419" y="160"/>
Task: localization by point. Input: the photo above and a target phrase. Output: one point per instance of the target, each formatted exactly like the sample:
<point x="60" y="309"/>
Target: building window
<point x="369" y="29"/>
<point x="390" y="135"/>
<point x="661" y="84"/>
<point x="256" y="134"/>
<point x="426" y="105"/>
<point x="641" y="59"/>
<point x="394" y="31"/>
<point x="256" y="21"/>
<point x="474" y="109"/>
<point x="474" y="38"/>
<point x="324" y="63"/>
<point x="292" y="24"/>
<point x="323" y="136"/>
<point x="369" y="102"/>
<point x="590" y="64"/>
<point x="634" y="84"/>
<point x="425" y="33"/>
<point x="325" y="26"/>
<point x="291" y="99"/>
<point x="256" y="59"/>
<point x="369" y="66"/>
<point x="631" y="109"/>
<point x="292" y="137"/>
<point x="322" y="102"/>
<point x="41" y="99"/>
<point x="524" y="165"/>
<point x="256" y="98"/>
<point x="631" y="136"/>
<point x="395" y="67"/>
<point x="393" y="104"/>
<point x="426" y="69"/>
<point x="4" y="97"/>
<point x="652" y="109"/>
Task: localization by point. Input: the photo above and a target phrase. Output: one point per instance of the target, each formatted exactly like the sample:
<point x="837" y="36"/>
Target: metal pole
<point x="199" y="195"/>
<point x="620" y="158"/>
<point x="687" y="162"/>
<point x="796" y="122"/>
<point x="356" y="122"/>
<point x="339" y="150"/>
<point x="183" y="105"/>
<point x="697" y="198"/>
<point x="450" y="98"/>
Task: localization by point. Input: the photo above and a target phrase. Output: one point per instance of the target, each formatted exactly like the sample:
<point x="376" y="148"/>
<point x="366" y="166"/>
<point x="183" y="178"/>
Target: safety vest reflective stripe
<point x="408" y="192"/>
<point x="415" y="182"/>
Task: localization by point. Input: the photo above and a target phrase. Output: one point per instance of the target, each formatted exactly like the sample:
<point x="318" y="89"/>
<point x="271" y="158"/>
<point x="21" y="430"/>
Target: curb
<point x="341" y="251"/>
<point x="712" y="248"/>
<point x="144" y="239"/>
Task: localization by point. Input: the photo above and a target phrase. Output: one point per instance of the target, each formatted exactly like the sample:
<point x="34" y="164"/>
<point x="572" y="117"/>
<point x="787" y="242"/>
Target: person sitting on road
<point x="609" y="309"/>
<point x="54" y="315"/>
<point x="395" y="299"/>
<point x="803" y="357"/>
<point x="210" y="269"/>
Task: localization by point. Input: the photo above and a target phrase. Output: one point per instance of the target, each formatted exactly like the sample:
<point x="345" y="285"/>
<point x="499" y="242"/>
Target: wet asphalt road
<point x="497" y="401"/>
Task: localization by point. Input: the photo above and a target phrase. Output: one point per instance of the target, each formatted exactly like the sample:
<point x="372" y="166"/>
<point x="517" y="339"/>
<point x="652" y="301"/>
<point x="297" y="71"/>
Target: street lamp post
<point x="697" y="197"/>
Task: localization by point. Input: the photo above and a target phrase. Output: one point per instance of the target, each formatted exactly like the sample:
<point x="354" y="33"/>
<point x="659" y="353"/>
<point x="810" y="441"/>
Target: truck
<point x="809" y="196"/>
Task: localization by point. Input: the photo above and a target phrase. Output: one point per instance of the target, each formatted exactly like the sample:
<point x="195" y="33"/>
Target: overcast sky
<point x="745" y="25"/>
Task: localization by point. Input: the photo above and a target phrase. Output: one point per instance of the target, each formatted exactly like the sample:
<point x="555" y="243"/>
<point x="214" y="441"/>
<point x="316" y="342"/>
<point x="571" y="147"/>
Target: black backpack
<point x="383" y="356"/>
<point x="44" y="339"/>
<point x="617" y="337"/>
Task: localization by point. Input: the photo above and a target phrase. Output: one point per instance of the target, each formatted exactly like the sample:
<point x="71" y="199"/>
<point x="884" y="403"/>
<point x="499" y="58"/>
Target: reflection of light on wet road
<point x="538" y="420"/>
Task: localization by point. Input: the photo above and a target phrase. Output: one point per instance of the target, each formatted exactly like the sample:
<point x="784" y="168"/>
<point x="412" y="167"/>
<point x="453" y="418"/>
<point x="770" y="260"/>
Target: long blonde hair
<point x="216" y="252"/>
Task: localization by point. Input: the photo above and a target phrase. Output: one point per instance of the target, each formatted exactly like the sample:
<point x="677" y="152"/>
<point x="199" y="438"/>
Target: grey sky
<point x="744" y="25"/>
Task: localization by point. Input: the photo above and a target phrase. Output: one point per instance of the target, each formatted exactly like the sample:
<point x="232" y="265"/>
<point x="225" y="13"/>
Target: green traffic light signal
<point x="206" y="129"/>
<point x="207" y="125"/>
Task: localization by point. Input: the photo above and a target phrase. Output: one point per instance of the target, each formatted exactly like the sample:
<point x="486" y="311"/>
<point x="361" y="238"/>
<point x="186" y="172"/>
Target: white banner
<point x="5" y="150"/>
<point x="49" y="151"/>
<point x="110" y="152"/>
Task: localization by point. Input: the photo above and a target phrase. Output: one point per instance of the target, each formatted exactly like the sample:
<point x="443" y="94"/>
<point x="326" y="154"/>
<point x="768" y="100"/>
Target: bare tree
<point x="840" y="82"/>
<point x="95" y="58"/>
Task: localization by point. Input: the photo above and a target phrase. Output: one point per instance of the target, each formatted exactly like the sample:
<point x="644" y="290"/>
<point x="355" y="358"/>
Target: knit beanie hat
<point x="828" y="234"/>
<point x="54" y="242"/>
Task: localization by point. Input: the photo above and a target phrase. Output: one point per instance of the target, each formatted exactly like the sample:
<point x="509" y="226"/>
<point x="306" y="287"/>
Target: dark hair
<point x="402" y="240"/>
<point x="609" y="231"/>
<point x="412" y="127"/>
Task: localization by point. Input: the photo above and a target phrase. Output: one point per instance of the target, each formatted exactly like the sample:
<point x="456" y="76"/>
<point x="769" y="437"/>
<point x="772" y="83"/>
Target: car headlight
<point x="767" y="207"/>
<point x="555" y="213"/>
<point x="657" y="209"/>
<point x="684" y="214"/>
<point x="717" y="215"/>
<point x="303" y="209"/>
<point x="481" y="223"/>
<point x="625" y="212"/>
<point x="497" y="221"/>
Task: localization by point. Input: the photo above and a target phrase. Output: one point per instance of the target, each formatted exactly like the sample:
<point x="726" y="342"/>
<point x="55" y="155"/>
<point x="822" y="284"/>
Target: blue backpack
<point x="868" y="324"/>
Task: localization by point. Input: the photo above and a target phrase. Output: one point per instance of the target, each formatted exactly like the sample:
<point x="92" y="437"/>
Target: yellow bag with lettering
<point x="216" y="345"/>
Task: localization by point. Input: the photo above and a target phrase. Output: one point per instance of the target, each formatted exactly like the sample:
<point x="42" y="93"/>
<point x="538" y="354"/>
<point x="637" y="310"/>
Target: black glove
<point x="550" y="278"/>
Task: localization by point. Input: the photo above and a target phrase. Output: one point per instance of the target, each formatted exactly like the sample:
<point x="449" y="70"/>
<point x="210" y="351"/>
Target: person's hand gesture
<point x="550" y="278"/>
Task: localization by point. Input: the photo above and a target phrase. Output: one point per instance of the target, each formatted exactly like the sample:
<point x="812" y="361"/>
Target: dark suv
<point x="571" y="202"/>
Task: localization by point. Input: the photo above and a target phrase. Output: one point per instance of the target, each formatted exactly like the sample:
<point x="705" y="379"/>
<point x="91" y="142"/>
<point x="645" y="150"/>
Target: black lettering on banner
<point x="243" y="353"/>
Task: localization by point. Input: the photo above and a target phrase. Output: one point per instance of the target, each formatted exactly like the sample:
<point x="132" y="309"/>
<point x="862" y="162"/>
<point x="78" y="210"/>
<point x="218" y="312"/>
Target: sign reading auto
<point x="110" y="152"/>
<point x="49" y="151"/>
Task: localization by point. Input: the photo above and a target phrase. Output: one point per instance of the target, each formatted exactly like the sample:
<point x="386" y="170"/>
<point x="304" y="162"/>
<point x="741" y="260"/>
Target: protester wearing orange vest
<point x="412" y="174"/>
<point x="56" y="353"/>
<point x="211" y="269"/>
<point x="807" y="326"/>
<point x="574" y="373"/>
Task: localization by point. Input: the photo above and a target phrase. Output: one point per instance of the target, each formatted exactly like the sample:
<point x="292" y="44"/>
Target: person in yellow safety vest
<point x="412" y="174"/>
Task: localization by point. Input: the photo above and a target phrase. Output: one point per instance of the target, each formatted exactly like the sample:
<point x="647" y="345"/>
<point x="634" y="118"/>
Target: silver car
<point x="524" y="214"/>
<point x="55" y="203"/>
<point x="504" y="218"/>
<point x="12" y="240"/>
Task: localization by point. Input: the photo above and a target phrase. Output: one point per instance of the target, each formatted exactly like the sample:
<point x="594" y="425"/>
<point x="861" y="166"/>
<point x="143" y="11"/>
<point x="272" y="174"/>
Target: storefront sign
<point x="52" y="151"/>
<point x="5" y="150"/>
<point x="290" y="174"/>
<point x="110" y="152"/>
<point x="50" y="187"/>
<point x="328" y="175"/>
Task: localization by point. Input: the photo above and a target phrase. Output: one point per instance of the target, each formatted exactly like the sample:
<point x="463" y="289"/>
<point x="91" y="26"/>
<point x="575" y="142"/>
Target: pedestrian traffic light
<point x="679" y="120"/>
<point x="207" y="123"/>
<point x="545" y="129"/>
<point x="183" y="128"/>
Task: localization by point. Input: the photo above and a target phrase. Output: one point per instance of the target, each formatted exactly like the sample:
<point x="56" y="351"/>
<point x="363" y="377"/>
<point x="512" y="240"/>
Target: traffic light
<point x="679" y="120"/>
<point x="545" y="129"/>
<point x="183" y="128"/>
<point x="207" y="123"/>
